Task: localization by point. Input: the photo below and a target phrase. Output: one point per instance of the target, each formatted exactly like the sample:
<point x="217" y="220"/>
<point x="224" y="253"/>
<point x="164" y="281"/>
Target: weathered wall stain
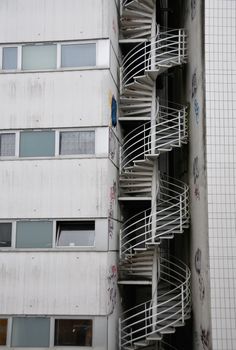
<point x="112" y="287"/>
<point x="195" y="169"/>
<point x="193" y="8"/>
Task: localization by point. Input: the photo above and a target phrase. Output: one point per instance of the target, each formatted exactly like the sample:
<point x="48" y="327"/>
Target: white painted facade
<point x="61" y="282"/>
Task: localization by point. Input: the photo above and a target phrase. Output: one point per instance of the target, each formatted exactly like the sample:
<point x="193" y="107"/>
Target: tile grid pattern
<point x="220" y="54"/>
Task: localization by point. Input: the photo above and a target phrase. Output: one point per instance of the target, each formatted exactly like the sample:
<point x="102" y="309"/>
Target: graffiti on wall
<point x="112" y="287"/>
<point x="196" y="174"/>
<point x="196" y="109"/>
<point x="193" y="8"/>
<point x="198" y="268"/>
<point x="205" y="339"/>
<point x="194" y="84"/>
<point x="112" y="200"/>
<point x="112" y="145"/>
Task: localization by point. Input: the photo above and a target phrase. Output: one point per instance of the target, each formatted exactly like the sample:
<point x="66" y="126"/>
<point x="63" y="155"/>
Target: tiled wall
<point x="220" y="56"/>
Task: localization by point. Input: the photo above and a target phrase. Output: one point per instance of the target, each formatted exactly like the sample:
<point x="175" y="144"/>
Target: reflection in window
<point x="30" y="332"/>
<point x="37" y="57"/>
<point x="7" y="145"/>
<point x="34" y="234"/>
<point x="9" y="58"/>
<point x="78" y="55"/>
<point x="73" y="332"/>
<point x="77" y="142"/>
<point x="75" y="233"/>
<point x="37" y="143"/>
<point x="3" y="331"/>
<point x="5" y="234"/>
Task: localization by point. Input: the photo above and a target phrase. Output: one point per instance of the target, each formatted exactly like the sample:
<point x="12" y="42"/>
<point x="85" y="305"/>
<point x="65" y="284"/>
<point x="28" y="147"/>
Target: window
<point x="77" y="233"/>
<point x="30" y="332"/>
<point x="3" y="331"/>
<point x="34" y="234"/>
<point x="9" y="58"/>
<point x="77" y="142"/>
<point x="7" y="145"/>
<point x="73" y="332"/>
<point x="37" y="143"/>
<point x="78" y="55"/>
<point x="5" y="234"/>
<point x="37" y="57"/>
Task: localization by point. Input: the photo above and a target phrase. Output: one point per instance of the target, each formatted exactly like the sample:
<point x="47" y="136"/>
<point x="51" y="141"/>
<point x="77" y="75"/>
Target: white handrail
<point x="164" y="48"/>
<point x="169" y="308"/>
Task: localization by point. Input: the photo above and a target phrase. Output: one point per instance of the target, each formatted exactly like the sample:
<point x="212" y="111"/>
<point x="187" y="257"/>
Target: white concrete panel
<point x="102" y="141"/>
<point x="56" y="99"/>
<point x="39" y="20"/>
<point x="114" y="66"/>
<point x="54" y="188"/>
<point x="54" y="283"/>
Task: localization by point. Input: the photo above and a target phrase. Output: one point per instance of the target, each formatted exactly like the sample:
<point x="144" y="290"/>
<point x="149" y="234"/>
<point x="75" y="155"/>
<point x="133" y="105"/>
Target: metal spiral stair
<point x="148" y="59"/>
<point x="148" y="322"/>
<point x="161" y="128"/>
<point x="148" y="228"/>
<point x="138" y="150"/>
<point x="136" y="18"/>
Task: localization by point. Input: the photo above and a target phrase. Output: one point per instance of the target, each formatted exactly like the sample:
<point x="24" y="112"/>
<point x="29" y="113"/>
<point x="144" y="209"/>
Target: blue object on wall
<point x="113" y="111"/>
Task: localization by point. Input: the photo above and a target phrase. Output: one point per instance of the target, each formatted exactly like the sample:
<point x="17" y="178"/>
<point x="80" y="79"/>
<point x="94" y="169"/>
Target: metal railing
<point x="170" y="308"/>
<point x="166" y="48"/>
<point x="170" y="130"/>
<point x="172" y="213"/>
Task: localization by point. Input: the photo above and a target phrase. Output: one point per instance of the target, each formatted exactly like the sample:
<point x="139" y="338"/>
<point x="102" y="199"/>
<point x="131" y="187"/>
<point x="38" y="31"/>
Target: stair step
<point x="136" y="5"/>
<point x="154" y="337"/>
<point x="167" y="330"/>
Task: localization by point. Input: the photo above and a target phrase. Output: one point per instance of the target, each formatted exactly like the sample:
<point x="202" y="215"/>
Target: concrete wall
<point x="199" y="251"/>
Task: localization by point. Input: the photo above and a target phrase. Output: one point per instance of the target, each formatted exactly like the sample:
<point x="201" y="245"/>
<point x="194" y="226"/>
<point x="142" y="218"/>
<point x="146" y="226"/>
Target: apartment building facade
<point x="109" y="126"/>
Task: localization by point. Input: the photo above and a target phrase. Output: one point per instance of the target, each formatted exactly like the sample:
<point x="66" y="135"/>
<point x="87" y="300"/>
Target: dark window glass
<point x="78" y="55"/>
<point x="9" y="58"/>
<point x="73" y="332"/>
<point x="38" y="57"/>
<point x="75" y="233"/>
<point x="30" y="332"/>
<point x="37" y="143"/>
<point x="3" y="331"/>
<point x="5" y="234"/>
<point x="34" y="234"/>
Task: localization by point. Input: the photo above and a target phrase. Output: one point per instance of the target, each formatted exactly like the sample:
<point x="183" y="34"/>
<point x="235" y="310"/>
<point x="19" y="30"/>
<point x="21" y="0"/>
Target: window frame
<point x="89" y="318"/>
<point x="75" y="247"/>
<point x="58" y="66"/>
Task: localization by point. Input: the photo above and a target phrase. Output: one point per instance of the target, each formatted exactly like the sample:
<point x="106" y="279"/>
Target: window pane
<point x="37" y="143"/>
<point x="5" y="234"/>
<point x="9" y="58"/>
<point x="73" y="332"/>
<point x="3" y="331"/>
<point x="76" y="233"/>
<point x="77" y="142"/>
<point x="7" y="144"/>
<point x="39" y="57"/>
<point x="81" y="55"/>
<point x="34" y="234"/>
<point x="30" y="332"/>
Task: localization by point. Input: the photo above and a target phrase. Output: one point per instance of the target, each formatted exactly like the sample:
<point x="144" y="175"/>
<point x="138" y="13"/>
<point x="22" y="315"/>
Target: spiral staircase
<point x="158" y="127"/>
